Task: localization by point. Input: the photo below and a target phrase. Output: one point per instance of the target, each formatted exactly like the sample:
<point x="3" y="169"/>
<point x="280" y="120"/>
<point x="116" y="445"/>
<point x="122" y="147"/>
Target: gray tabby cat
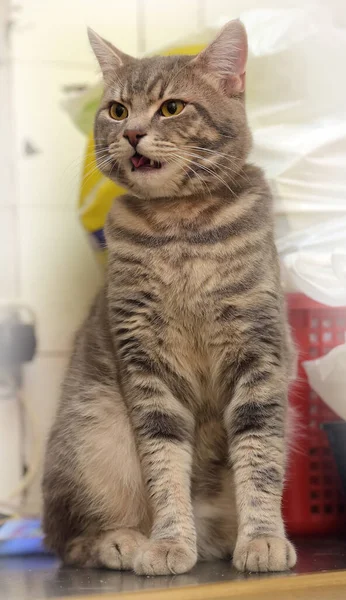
<point x="169" y="441"/>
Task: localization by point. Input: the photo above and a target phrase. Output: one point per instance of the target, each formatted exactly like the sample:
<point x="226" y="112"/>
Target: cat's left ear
<point x="225" y="58"/>
<point x="109" y="57"/>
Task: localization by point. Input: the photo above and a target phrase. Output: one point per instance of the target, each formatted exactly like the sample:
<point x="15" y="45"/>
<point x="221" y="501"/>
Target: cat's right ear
<point x="108" y="56"/>
<point x="225" y="58"/>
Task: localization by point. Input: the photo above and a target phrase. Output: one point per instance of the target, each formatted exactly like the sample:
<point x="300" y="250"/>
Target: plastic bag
<point x="314" y="262"/>
<point x="327" y="377"/>
<point x="296" y="107"/>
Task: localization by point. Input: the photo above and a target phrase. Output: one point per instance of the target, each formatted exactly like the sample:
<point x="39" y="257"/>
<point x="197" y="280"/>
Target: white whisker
<point x="217" y="167"/>
<point x="204" y="168"/>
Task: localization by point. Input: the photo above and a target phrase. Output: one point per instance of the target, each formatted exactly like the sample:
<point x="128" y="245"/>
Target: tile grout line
<point x="201" y="14"/>
<point x="140" y="27"/>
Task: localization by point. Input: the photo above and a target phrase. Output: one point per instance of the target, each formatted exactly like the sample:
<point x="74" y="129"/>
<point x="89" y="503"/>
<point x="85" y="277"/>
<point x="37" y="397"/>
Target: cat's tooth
<point x="152" y="163"/>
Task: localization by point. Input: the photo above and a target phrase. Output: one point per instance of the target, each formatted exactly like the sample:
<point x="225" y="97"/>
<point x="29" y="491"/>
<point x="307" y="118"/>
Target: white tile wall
<point x="6" y="132"/>
<point x="42" y="387"/>
<point x="59" y="274"/>
<point x="10" y="447"/>
<point x="46" y="30"/>
<point x="225" y="9"/>
<point x="51" y="175"/>
<point x="167" y="22"/>
<point x="8" y="252"/>
<point x="10" y="441"/>
<point x="4" y="11"/>
<point x="214" y="10"/>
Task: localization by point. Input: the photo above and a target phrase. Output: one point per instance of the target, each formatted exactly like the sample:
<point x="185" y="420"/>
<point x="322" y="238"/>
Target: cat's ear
<point x="225" y="57"/>
<point x="108" y="56"/>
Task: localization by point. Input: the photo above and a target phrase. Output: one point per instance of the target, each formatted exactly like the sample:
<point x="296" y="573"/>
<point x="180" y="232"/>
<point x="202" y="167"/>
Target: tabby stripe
<point x="143" y="239"/>
<point x="224" y="130"/>
<point x="232" y="371"/>
<point x="254" y="416"/>
<point x="153" y="83"/>
<point x="250" y="315"/>
<point x="265" y="478"/>
<point x="130" y="260"/>
<point x="140" y="361"/>
<point x="128" y="344"/>
<point x="244" y="224"/>
<point x="208" y="237"/>
<point x="157" y="425"/>
<point x="206" y="143"/>
<point x="237" y="288"/>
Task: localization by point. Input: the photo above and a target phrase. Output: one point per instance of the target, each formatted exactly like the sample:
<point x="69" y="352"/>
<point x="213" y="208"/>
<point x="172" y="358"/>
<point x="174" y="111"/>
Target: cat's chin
<point x="149" y="171"/>
<point x="152" y="183"/>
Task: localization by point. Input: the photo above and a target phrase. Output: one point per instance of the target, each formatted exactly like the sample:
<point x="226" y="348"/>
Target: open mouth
<point x="143" y="163"/>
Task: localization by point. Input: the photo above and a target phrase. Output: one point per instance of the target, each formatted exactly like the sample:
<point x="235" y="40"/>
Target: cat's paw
<point x="116" y="549"/>
<point x="112" y="550"/>
<point x="164" y="557"/>
<point x="264" y="554"/>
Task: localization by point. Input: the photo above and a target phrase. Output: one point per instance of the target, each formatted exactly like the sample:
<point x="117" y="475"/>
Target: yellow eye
<point x="118" y="111"/>
<point x="170" y="108"/>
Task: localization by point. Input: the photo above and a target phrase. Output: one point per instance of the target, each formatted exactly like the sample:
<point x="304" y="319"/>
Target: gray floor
<point x="41" y="577"/>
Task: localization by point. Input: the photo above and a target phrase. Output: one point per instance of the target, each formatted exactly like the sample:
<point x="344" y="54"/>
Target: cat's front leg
<point x="164" y="430"/>
<point x="255" y="422"/>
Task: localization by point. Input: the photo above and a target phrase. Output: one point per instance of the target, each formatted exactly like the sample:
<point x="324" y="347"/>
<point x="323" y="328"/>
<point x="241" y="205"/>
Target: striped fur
<point x="169" y="442"/>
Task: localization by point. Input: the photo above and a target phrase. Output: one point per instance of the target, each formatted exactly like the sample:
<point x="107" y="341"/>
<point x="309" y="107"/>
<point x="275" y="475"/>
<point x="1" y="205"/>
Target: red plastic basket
<point x="313" y="500"/>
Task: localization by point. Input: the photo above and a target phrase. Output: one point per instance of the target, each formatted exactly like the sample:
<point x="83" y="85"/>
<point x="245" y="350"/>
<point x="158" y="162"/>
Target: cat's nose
<point x="133" y="136"/>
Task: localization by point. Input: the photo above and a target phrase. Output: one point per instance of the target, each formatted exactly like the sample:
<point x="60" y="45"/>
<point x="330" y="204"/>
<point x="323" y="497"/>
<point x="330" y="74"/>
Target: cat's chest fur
<point x="182" y="280"/>
<point x="175" y="278"/>
<point x="188" y="307"/>
<point x="175" y="256"/>
<point x="187" y="281"/>
<point x="179" y="321"/>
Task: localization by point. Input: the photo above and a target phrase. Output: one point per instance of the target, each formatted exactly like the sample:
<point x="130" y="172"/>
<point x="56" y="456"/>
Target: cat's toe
<point x="263" y="554"/>
<point x="164" y="557"/>
<point x="112" y="549"/>
<point x="117" y="548"/>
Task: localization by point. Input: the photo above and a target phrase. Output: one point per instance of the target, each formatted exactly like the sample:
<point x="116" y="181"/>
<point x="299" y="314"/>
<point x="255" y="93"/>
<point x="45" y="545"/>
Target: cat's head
<point x="173" y="125"/>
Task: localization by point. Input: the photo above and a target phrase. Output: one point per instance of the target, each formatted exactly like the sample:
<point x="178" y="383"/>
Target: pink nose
<point x="133" y="136"/>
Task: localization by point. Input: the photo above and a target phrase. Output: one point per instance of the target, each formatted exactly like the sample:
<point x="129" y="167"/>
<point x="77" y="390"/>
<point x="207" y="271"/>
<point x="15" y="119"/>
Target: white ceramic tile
<point x="7" y="141"/>
<point x="167" y="22"/>
<point x="216" y="10"/>
<point x="47" y="30"/>
<point x="8" y="253"/>
<point x="10" y="445"/>
<point x="4" y="15"/>
<point x="58" y="272"/>
<point x="49" y="148"/>
<point x="41" y="390"/>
